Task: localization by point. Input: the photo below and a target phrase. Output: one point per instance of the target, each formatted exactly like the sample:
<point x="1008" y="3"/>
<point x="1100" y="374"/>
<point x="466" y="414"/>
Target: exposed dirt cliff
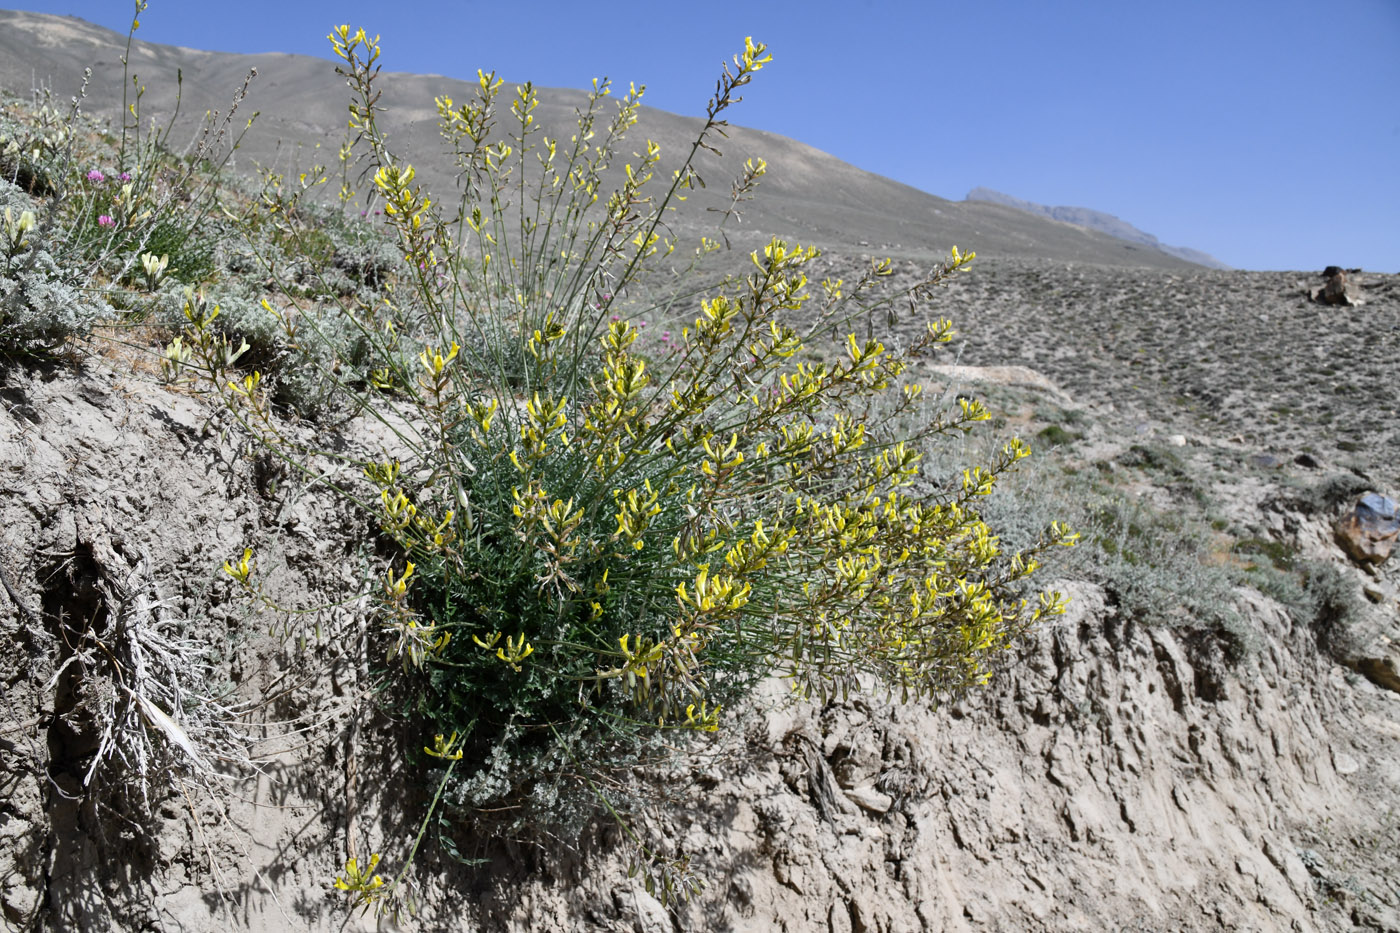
<point x="1117" y="775"/>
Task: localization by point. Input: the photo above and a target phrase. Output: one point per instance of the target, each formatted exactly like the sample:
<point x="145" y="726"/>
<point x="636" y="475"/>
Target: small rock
<point x="1336" y="289"/>
<point x="1176" y="440"/>
<point x="1345" y="764"/>
<point x="868" y="798"/>
<point x="839" y="918"/>
<point x="1369" y="530"/>
<point x="1306" y="461"/>
<point x="975" y="912"/>
<point x="651" y="915"/>
<point x="1383" y="670"/>
<point x="1373" y="592"/>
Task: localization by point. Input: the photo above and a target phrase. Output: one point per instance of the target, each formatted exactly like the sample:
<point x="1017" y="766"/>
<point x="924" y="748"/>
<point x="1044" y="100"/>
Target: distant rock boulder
<point x="1337" y="288"/>
<point x="1369" y="530"/>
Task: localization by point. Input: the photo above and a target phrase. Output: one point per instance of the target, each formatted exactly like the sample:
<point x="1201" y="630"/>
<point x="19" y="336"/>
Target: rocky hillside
<point x="1132" y="768"/>
<point x="808" y="195"/>
<point x="1209" y="739"/>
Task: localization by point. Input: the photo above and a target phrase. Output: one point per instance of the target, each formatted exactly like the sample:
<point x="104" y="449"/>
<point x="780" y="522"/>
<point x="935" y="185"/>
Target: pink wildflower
<point x="126" y="176"/>
<point x="106" y="221"/>
<point x="96" y="177"/>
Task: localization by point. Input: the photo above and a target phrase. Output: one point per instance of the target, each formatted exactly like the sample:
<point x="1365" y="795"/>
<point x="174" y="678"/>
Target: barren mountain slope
<point x="1095" y="220"/>
<point x="1226" y="353"/>
<point x="808" y="195"/>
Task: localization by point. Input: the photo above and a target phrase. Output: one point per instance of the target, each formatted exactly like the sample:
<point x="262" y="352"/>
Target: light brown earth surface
<point x="1117" y="774"/>
<point x="1198" y="745"/>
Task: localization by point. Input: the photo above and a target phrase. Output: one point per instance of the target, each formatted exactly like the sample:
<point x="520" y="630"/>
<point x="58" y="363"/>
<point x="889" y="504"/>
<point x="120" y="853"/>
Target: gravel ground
<point x="1221" y="353"/>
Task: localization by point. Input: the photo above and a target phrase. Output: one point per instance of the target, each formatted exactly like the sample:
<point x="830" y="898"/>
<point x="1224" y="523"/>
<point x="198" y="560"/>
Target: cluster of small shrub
<point x="1156" y="566"/>
<point x="1178" y="566"/>
<point x="600" y="538"/>
<point x="106" y="227"/>
<point x="41" y="304"/>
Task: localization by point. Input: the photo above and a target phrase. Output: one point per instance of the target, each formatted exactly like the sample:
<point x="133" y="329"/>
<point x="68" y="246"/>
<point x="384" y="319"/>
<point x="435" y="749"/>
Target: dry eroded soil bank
<point x="1117" y="776"/>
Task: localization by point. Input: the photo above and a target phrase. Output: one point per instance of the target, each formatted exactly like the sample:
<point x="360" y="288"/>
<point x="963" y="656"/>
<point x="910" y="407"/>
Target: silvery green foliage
<point x="363" y="255"/>
<point x="40" y="304"/>
<point x="241" y="315"/>
<point x="1154" y="565"/>
<point x="302" y="367"/>
<point x="22" y="149"/>
<point x="559" y="797"/>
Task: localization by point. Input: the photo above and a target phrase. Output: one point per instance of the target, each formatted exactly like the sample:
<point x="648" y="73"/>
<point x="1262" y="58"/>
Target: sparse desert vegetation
<point x="516" y="556"/>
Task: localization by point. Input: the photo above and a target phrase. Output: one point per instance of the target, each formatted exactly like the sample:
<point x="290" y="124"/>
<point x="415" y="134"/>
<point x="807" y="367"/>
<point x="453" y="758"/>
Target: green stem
<point x="423" y="828"/>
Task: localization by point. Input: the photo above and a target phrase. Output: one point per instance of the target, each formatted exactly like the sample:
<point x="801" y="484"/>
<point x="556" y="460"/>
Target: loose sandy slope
<point x="1115" y="776"/>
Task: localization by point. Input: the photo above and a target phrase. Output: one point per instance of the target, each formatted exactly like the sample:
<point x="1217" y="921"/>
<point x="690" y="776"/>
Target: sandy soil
<point x="1220" y="353"/>
<point x="1118" y="775"/>
<point x="1221" y="762"/>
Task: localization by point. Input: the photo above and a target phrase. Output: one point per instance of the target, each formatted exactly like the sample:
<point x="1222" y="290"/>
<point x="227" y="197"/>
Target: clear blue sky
<point x="1265" y="132"/>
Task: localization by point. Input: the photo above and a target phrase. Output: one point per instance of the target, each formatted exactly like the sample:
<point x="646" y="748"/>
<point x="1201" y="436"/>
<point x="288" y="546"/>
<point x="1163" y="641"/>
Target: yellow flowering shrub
<point x="596" y="542"/>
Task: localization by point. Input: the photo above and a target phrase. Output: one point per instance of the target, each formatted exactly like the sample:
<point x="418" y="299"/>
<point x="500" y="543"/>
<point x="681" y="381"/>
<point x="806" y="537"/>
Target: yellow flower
<point x="705" y="718"/>
<point x="364" y="884"/>
<point x="433" y="360"/>
<point x="248" y="386"/>
<point x="397" y="588"/>
<point x="444" y="748"/>
<point x="515" y="651"/>
<point x="243" y="570"/>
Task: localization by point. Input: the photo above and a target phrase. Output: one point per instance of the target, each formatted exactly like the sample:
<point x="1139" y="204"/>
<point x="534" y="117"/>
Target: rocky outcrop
<point x="1116" y="778"/>
<point x="1367" y="532"/>
<point x="1020" y="377"/>
<point x="1337" y="288"/>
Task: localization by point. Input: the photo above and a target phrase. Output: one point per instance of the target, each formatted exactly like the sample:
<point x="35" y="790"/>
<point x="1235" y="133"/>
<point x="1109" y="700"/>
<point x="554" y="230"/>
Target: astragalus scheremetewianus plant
<point x="593" y="544"/>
